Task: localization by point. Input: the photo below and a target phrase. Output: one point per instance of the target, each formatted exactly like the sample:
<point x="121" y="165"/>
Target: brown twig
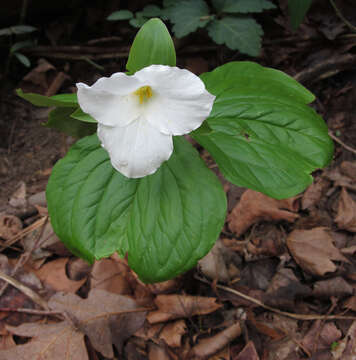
<point x="25" y="257"/>
<point x="277" y="311"/>
<point x="26" y="290"/>
<point x="33" y="311"/>
<point x="342" y="17"/>
<point x="336" y="139"/>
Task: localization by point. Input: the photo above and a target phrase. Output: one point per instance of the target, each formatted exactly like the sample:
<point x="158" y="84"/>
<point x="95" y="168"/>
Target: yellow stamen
<point x="144" y="93"/>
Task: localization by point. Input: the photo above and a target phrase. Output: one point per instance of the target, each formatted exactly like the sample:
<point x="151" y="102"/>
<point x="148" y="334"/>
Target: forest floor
<point x="280" y="284"/>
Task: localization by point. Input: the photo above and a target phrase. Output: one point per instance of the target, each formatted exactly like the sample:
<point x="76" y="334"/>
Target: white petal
<point x="136" y="150"/>
<point x="180" y="102"/>
<point x="110" y="100"/>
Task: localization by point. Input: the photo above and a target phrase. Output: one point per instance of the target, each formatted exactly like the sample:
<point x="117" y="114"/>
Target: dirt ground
<point x="296" y="255"/>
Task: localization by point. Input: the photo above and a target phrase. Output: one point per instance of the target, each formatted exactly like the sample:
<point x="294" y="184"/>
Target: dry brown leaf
<point x="217" y="264"/>
<point x="337" y="287"/>
<point x="211" y="345"/>
<point x="348" y="168"/>
<point x="157" y="352"/>
<point x="7" y="342"/>
<point x="18" y="198"/>
<point x="325" y="333"/>
<point x="255" y="207"/>
<point x="346" y="213"/>
<point x="313" y="250"/>
<point x="110" y="275"/>
<point x="172" y="333"/>
<point x="350" y="303"/>
<point x="106" y="318"/>
<point x="313" y="193"/>
<point x="248" y="352"/>
<point x="49" y="342"/>
<point x="54" y="274"/>
<point x="10" y="225"/>
<point x="181" y="306"/>
<point x="346" y="349"/>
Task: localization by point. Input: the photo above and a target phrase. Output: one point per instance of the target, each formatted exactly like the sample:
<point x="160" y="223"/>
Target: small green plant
<point x="136" y="186"/>
<point x="15" y="47"/>
<point x="228" y="22"/>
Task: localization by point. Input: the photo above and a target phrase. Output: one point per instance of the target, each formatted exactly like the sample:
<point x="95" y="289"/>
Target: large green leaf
<point x="64" y="100"/>
<point x="264" y="136"/>
<point x="152" y="45"/>
<point x="297" y="10"/>
<point x="243" y="6"/>
<point x="238" y="33"/>
<point x="187" y="16"/>
<point x="166" y="221"/>
<point x="61" y="119"/>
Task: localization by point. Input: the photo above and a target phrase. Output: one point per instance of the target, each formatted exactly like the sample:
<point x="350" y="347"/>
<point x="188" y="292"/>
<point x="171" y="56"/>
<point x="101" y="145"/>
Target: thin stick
<point x="336" y="139"/>
<point x="342" y="17"/>
<point x="277" y="311"/>
<point x="26" y="290"/>
<point x="32" y="311"/>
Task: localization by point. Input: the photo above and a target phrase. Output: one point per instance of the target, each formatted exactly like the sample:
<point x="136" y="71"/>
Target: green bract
<point x="166" y="221"/>
<point x="261" y="133"/>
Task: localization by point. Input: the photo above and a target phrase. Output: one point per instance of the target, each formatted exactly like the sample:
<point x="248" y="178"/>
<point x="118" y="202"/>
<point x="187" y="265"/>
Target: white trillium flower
<point x="138" y="115"/>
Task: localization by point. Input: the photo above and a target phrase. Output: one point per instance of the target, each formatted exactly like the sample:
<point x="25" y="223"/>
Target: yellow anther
<point x="144" y="93"/>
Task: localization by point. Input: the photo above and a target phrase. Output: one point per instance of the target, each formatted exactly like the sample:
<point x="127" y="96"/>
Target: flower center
<point x="144" y="93"/>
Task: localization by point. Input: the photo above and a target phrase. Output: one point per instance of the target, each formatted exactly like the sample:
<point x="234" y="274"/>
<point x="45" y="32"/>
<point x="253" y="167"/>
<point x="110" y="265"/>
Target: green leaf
<point x="120" y="15"/>
<point x="17" y="30"/>
<point x="79" y="114"/>
<point x="139" y="20"/>
<point x="24" y="60"/>
<point x="151" y="11"/>
<point x="187" y="16"/>
<point x="166" y="221"/>
<point x="152" y="45"/>
<point x="20" y="45"/>
<point x="297" y="10"/>
<point x="264" y="136"/>
<point x="60" y="119"/>
<point x="243" y="6"/>
<point x="238" y="33"/>
<point x="63" y="100"/>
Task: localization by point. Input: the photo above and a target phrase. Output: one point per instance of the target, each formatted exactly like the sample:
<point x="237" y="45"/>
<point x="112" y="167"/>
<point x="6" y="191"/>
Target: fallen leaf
<point x="157" y="352"/>
<point x="217" y="263"/>
<point x="7" y="342"/>
<point x="346" y="348"/>
<point x="14" y="298"/>
<point x="49" y="342"/>
<point x="248" y="353"/>
<point x="211" y="345"/>
<point x="350" y="303"/>
<point x="10" y="225"/>
<point x="314" y="193"/>
<point x="181" y="306"/>
<point x="78" y="269"/>
<point x="255" y="207"/>
<point x="337" y="287"/>
<point x="172" y="333"/>
<point x="18" y="198"/>
<point x="325" y="334"/>
<point x="110" y="275"/>
<point x="346" y="213"/>
<point x="313" y="250"/>
<point x="106" y="318"/>
<point x="54" y="274"/>
<point x="348" y="168"/>
<point x="284" y="288"/>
